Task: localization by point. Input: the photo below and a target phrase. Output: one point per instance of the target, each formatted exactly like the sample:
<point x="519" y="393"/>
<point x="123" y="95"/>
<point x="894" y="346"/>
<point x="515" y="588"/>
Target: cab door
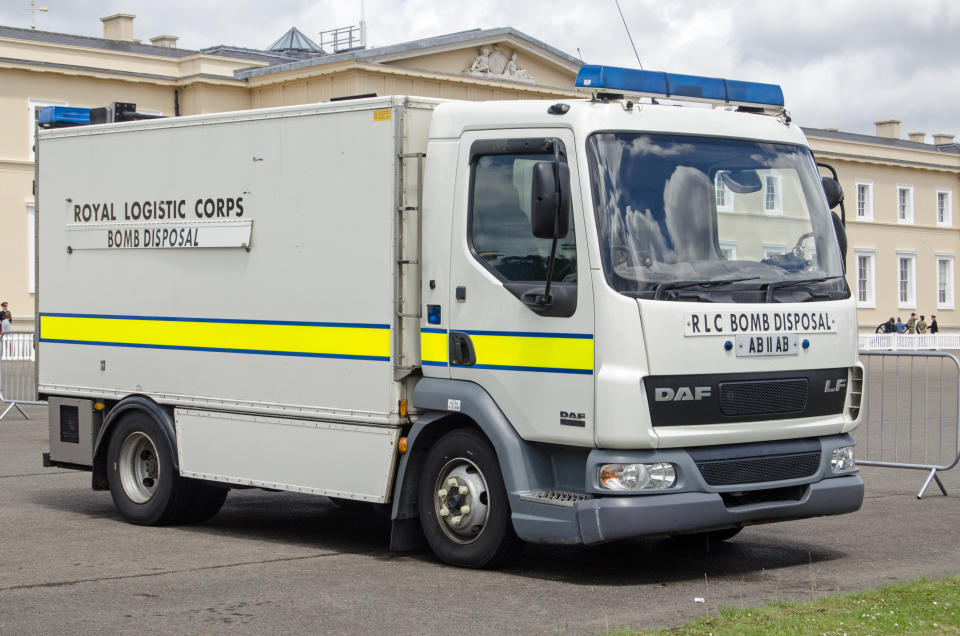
<point x="535" y="359"/>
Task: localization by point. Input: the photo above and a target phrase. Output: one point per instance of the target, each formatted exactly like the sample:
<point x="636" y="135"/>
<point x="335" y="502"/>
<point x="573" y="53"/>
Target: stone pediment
<point x="492" y="62"/>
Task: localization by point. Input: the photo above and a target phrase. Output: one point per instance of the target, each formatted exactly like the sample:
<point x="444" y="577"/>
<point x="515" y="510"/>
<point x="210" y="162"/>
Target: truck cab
<point x="694" y="369"/>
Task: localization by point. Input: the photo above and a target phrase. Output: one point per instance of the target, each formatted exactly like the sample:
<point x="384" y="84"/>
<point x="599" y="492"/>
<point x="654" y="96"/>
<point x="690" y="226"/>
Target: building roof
<point x="827" y="133"/>
<point x="85" y="41"/>
<point x="374" y="55"/>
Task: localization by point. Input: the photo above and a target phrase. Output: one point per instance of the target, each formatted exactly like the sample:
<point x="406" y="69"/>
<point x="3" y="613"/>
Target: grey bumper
<point x="611" y="518"/>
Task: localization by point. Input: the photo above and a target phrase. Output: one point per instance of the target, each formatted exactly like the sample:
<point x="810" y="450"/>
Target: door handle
<point x="460" y="350"/>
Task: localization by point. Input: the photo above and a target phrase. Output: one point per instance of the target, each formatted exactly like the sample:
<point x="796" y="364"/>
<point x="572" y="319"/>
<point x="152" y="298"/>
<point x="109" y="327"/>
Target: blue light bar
<point x="676" y="86"/>
<point x="63" y="116"/>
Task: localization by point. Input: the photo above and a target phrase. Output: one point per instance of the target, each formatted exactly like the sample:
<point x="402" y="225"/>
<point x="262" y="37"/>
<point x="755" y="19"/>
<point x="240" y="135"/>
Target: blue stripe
<point x="431" y="363"/>
<point x="535" y="369"/>
<point x="232" y="321"/>
<point x="298" y="354"/>
<point x="529" y="334"/>
<point x="428" y="330"/>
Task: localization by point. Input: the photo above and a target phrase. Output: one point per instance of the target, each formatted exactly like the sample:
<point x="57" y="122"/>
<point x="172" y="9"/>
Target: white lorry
<point x="571" y="322"/>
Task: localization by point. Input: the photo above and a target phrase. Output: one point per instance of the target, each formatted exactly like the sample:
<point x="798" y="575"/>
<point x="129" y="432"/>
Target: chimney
<point x="942" y="138"/>
<point x="919" y="137"/>
<point x="889" y="128"/>
<point x="118" y="26"/>
<point x="165" y="41"/>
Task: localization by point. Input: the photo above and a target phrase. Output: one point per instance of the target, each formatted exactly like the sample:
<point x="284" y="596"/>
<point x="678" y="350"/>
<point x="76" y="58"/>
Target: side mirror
<point x="841" y="236"/>
<point x="544" y="196"/>
<point x="831" y="188"/>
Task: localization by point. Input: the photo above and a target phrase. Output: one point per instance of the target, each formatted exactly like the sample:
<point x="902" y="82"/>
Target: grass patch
<point x="920" y="607"/>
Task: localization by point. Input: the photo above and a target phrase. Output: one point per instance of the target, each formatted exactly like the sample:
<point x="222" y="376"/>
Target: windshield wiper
<point x="780" y="284"/>
<point x="683" y="284"/>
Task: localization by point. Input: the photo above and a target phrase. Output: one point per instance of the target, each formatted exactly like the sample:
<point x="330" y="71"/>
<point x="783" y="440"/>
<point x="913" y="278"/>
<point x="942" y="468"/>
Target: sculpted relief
<point x="492" y="63"/>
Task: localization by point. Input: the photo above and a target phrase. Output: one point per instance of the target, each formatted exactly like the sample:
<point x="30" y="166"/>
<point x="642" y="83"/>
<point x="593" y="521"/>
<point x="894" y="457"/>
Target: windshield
<point x="711" y="216"/>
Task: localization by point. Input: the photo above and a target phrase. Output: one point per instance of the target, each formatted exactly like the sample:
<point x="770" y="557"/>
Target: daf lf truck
<point x="570" y="321"/>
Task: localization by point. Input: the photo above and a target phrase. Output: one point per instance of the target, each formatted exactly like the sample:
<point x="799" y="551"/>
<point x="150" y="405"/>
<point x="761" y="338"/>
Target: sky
<point x="842" y="63"/>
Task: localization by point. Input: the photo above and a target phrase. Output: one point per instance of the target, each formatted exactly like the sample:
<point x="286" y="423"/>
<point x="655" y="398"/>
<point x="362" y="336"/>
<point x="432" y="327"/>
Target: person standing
<point x="899" y="327"/>
<point x="912" y="323"/>
<point x="5" y="323"/>
<point x="922" y="325"/>
<point x="934" y="327"/>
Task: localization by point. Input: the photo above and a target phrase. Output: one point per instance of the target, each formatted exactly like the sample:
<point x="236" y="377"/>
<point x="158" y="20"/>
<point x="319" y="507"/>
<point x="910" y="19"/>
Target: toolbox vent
<point x="69" y="424"/>
<point x="761" y="397"/>
<point x="754" y="470"/>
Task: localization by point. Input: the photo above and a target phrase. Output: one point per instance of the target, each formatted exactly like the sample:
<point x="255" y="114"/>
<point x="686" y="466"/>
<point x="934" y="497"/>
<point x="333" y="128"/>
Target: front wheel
<point x="463" y="502"/>
<point x="143" y="483"/>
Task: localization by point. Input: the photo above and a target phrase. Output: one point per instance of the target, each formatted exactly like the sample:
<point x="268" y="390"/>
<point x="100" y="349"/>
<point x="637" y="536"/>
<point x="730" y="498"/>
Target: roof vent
<point x="919" y="137"/>
<point x="165" y="41"/>
<point x="118" y="26"/>
<point x="942" y="138"/>
<point x="889" y="128"/>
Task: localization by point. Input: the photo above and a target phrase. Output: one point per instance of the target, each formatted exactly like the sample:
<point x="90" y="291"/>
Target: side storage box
<point x="74" y="425"/>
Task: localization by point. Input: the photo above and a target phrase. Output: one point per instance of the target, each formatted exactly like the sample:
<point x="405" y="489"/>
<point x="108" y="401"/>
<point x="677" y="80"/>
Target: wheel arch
<point x="163" y="417"/>
<point x="452" y="404"/>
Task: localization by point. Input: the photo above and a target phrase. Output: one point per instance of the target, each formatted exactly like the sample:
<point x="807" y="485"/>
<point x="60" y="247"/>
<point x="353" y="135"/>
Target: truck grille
<point x="762" y="397"/>
<point x="752" y="470"/>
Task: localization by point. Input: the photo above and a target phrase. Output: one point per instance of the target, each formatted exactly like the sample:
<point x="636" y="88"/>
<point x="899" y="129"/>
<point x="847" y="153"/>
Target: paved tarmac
<point x="279" y="563"/>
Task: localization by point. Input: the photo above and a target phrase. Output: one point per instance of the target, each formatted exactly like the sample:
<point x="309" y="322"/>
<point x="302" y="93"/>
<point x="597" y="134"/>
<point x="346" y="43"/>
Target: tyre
<point x="207" y="499"/>
<point x="463" y="503"/>
<point x="144" y="485"/>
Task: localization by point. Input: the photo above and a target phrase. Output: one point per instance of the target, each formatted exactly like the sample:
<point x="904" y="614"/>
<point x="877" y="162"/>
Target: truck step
<point x="556" y="497"/>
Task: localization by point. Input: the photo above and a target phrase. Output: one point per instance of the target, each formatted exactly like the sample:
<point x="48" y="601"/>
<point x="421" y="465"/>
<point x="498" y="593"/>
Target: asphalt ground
<point x="280" y="563"/>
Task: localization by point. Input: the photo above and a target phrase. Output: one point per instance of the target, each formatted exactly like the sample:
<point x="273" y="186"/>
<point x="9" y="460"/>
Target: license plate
<point x="774" y="344"/>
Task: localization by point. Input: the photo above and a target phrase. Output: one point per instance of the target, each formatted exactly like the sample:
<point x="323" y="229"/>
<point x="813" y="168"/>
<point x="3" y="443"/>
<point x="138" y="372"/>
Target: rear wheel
<point x="143" y="483"/>
<point x="463" y="502"/>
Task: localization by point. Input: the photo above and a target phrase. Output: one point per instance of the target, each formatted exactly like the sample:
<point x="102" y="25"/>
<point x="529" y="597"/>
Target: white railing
<point x="909" y="341"/>
<point x="17" y="345"/>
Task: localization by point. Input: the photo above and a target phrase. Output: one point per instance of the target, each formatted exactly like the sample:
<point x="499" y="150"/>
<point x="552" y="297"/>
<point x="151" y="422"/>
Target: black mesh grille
<point x="763" y="396"/>
<point x="753" y="470"/>
<point x="69" y="424"/>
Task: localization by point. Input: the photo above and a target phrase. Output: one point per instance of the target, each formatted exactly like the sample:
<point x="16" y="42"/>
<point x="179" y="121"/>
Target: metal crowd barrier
<point x="912" y="402"/>
<point x="18" y="369"/>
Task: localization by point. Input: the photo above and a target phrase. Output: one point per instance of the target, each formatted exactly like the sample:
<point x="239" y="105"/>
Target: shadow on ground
<point x="315" y="522"/>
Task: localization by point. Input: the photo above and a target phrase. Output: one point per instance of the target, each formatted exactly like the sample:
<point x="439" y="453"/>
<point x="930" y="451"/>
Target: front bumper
<point x="611" y="518"/>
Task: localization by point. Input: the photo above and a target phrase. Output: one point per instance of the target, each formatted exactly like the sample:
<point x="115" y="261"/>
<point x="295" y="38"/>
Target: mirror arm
<point x="545" y="300"/>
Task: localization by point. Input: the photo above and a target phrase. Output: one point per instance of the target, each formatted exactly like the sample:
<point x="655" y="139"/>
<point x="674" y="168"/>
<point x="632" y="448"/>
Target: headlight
<point x="637" y="476"/>
<point x="842" y="459"/>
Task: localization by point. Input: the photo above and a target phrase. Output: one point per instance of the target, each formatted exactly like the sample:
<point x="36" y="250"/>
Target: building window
<point x="905" y="204"/>
<point x="31" y="248"/>
<point x="724" y="194"/>
<point x="864" y="200"/>
<point x="944" y="281"/>
<point x="866" y="286"/>
<point x="907" y="280"/>
<point x="772" y="250"/>
<point x="772" y="197"/>
<point x="729" y="250"/>
<point x="944" y="207"/>
<point x="34" y="107"/>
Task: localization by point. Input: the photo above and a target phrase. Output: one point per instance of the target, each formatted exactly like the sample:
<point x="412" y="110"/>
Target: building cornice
<point x="312" y="72"/>
<point x="888" y="161"/>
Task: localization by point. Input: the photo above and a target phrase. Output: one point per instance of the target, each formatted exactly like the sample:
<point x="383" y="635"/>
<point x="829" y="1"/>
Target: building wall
<point x="882" y="238"/>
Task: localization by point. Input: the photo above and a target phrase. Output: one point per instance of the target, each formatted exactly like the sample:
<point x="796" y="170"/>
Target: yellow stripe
<point x="308" y="339"/>
<point x="530" y="351"/>
<point x="433" y="347"/>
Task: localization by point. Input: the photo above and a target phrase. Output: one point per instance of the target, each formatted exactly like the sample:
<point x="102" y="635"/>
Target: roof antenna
<point x="33" y="8"/>
<point x="580" y="55"/>
<point x="617" y="2"/>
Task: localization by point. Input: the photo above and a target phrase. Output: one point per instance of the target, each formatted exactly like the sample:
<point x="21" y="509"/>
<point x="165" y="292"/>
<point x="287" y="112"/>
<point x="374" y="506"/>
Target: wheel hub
<point x="138" y="467"/>
<point x="461" y="502"/>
